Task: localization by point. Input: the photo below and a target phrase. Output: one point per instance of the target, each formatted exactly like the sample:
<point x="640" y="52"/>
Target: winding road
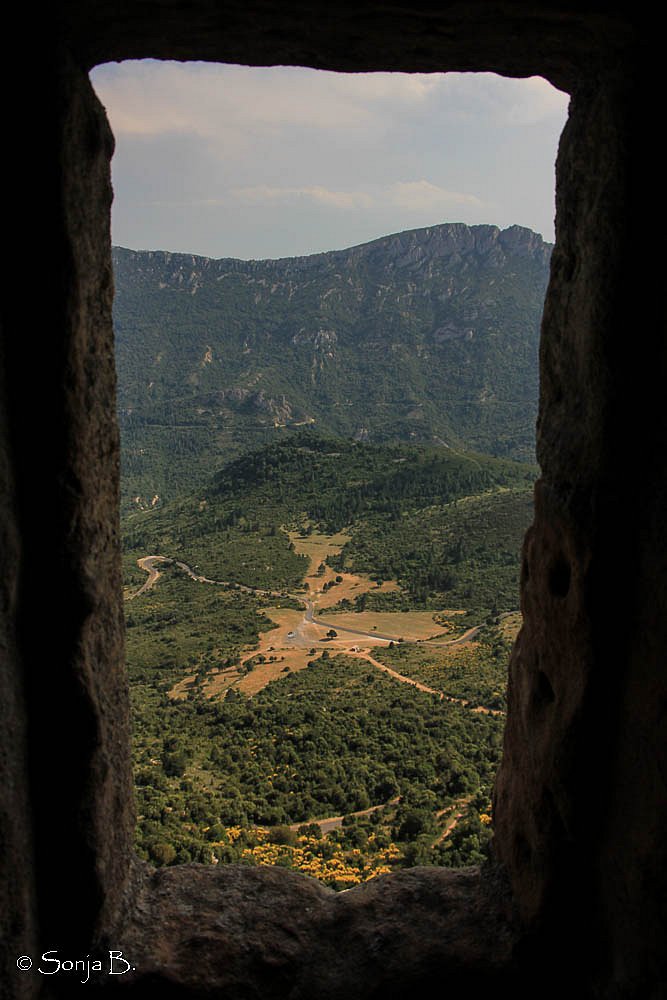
<point x="304" y="634"/>
<point x="148" y="564"/>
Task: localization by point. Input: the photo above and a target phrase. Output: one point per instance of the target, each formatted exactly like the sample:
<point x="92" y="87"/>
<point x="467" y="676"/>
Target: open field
<point x="220" y="680"/>
<point x="281" y="651"/>
<point x="352" y="585"/>
<point x="179" y="691"/>
<point x="263" y="673"/>
<point x="318" y="547"/>
<point x="408" y="625"/>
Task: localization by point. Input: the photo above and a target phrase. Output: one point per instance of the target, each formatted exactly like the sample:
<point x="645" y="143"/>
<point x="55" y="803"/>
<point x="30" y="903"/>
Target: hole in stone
<point x="193" y="803"/>
<point x="525" y="570"/>
<point x="522" y="849"/>
<point x="544" y="692"/>
<point x="559" y="577"/>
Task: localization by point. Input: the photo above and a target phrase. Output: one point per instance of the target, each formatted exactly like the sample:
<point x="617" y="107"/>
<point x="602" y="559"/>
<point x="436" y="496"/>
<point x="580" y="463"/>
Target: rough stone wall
<point x="549" y="793"/>
<point x="580" y="800"/>
<point x="581" y="795"/>
<point x="268" y="933"/>
<point x="97" y="753"/>
<point x="517" y="38"/>
<point x="630" y="606"/>
<point x="64" y="687"/>
<point x="17" y="889"/>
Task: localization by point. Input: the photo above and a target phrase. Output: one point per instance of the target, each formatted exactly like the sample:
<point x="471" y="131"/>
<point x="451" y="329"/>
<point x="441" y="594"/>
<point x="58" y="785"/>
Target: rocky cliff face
<point x="427" y="335"/>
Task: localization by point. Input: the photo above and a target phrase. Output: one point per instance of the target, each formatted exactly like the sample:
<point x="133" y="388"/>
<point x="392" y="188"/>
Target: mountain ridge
<point x="429" y="335"/>
<point x="511" y="235"/>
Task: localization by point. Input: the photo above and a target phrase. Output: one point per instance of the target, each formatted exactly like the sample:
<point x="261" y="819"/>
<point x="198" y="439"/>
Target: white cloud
<point x="322" y="153"/>
<point x="504" y="100"/>
<point x="535" y="100"/>
<point x="418" y="196"/>
<point x="405" y="88"/>
<point x="322" y="195"/>
<point x="422" y="195"/>
<point x="212" y="101"/>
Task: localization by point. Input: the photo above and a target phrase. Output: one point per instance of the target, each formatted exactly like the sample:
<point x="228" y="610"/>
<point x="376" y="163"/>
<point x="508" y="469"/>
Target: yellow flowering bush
<point x="344" y="868"/>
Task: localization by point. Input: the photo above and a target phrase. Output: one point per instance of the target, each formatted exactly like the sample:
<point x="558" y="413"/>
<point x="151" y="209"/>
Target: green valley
<point x="321" y="576"/>
<point x="283" y="682"/>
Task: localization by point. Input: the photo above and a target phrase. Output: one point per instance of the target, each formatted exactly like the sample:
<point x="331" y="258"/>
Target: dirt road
<point x="335" y="822"/>
<point x="305" y="634"/>
<point x="148" y="566"/>
<point x="361" y="655"/>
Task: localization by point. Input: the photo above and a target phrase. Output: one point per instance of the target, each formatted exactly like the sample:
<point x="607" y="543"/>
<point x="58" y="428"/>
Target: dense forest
<point x="465" y="550"/>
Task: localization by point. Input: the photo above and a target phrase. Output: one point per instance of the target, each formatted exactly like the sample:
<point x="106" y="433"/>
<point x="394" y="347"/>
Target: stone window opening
<point x="576" y="891"/>
<point x="188" y="559"/>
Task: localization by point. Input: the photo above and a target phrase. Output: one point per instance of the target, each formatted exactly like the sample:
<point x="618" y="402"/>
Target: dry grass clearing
<point x="286" y="620"/>
<point x="510" y="625"/>
<point x="409" y="625"/>
<point x="295" y="657"/>
<point x="350" y="587"/>
<point x="318" y="547"/>
<point x="294" y="652"/>
<point x="263" y="673"/>
<point x="180" y="690"/>
<point x="289" y="645"/>
<point x="217" y="683"/>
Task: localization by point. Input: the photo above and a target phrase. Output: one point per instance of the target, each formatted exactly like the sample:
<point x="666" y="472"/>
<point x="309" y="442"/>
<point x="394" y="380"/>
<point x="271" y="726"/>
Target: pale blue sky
<point x="234" y="161"/>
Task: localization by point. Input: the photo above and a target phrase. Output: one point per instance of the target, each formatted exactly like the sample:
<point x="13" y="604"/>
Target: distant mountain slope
<point x="426" y="336"/>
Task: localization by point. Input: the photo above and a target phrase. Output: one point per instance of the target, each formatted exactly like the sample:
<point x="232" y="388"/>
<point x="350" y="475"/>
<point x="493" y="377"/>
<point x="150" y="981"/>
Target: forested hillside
<point x="438" y="522"/>
<point x="426" y="336"/>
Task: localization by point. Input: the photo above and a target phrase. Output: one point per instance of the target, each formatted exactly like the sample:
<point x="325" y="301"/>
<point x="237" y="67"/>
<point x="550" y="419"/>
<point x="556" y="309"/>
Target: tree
<point x="174" y="764"/>
<point x="282" y="835"/>
<point x="310" y="830"/>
